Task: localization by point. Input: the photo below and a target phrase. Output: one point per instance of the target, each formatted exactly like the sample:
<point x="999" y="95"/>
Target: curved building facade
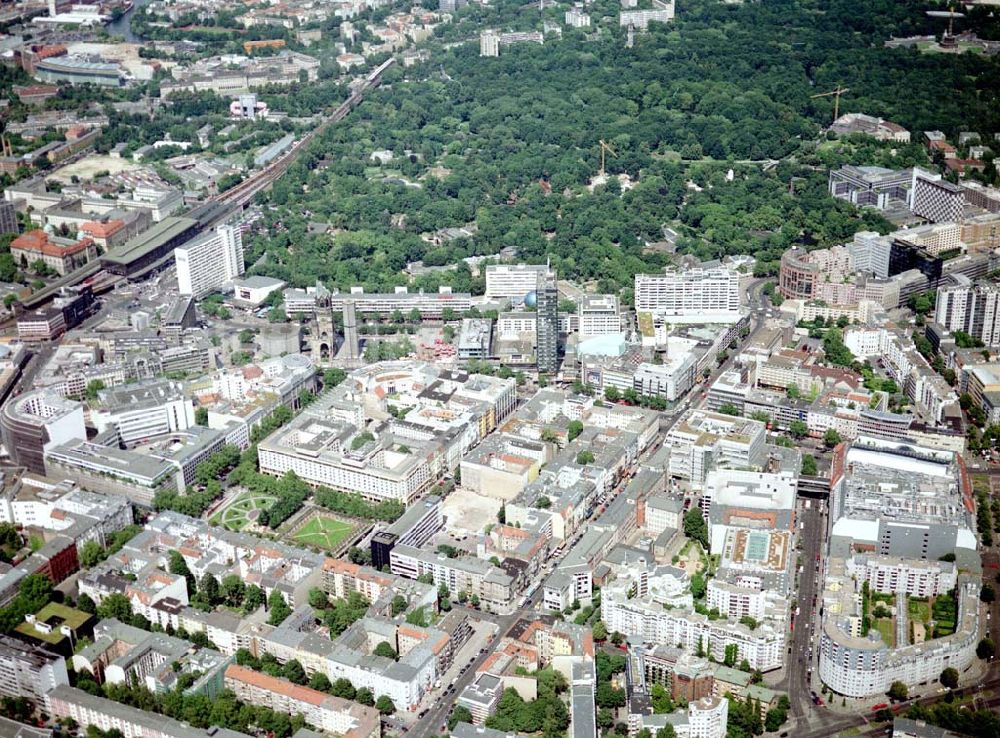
<point x="797" y="277"/>
<point x="802" y="273"/>
<point x="37" y="421"/>
<point x="857" y="666"/>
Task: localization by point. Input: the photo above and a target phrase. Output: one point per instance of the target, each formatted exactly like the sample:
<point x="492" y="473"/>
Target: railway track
<point x="243" y="193"/>
<point x="239" y="196"/>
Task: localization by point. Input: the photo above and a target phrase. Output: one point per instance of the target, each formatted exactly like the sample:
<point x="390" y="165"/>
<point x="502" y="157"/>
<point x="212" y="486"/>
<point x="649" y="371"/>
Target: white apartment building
<point x="492" y="585"/>
<point x="209" y="261"/>
<point x="576" y="17"/>
<point x="973" y="309"/>
<point x="895" y="353"/>
<point x="858" y="666"/>
<point x="661" y="12"/>
<point x="699" y="295"/>
<point x="489" y="43"/>
<point x="662" y="513"/>
<point x="763" y="648"/>
<point x="891" y="574"/>
<point x="29" y="671"/>
<point x="870" y="253"/>
<point x="744" y="597"/>
<point x="37" y="502"/>
<point x="512" y="281"/>
<point x="599" y="316"/>
<point x="671" y="379"/>
<point x="708" y="717"/>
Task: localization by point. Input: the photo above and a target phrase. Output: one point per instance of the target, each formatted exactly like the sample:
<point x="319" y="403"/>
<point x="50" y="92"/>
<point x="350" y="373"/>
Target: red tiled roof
<point x="37" y="241"/>
<point x="101" y="229"/>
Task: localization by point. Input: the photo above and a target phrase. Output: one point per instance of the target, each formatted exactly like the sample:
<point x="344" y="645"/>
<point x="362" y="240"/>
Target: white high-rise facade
<point x="972" y="309"/>
<point x="512" y="281"/>
<point x="489" y="43"/>
<point x="209" y="261"/>
<point x="599" y="316"/>
<point x="699" y="295"/>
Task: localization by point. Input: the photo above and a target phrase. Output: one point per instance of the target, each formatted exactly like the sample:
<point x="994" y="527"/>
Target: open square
<point x="323" y="531"/>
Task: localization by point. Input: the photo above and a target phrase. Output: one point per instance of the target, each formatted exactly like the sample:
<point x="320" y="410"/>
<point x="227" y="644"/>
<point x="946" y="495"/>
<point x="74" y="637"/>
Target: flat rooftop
<point x="150" y="240"/>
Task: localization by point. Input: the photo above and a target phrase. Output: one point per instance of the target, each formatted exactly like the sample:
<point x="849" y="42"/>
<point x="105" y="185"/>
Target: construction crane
<point x="605" y="147"/>
<point x="836" y="99"/>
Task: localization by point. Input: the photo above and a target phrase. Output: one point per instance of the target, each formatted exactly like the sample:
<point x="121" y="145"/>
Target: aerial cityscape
<point x="499" y="369"/>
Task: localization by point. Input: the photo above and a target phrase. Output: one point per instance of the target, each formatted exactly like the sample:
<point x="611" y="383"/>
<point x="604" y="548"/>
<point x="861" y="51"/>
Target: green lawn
<point x="888" y="631"/>
<point x="920" y="611"/>
<point x="323" y="532"/>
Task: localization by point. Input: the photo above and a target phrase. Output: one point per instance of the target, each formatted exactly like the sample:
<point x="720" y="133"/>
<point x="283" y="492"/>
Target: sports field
<point x="323" y="532"/>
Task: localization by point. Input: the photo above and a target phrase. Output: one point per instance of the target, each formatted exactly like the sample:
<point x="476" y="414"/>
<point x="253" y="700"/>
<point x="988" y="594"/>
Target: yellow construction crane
<point x="836" y="99"/>
<point x="605" y="147"/>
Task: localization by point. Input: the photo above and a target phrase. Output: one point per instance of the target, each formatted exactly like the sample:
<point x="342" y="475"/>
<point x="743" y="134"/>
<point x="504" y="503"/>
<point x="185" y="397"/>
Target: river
<point x="123" y="26"/>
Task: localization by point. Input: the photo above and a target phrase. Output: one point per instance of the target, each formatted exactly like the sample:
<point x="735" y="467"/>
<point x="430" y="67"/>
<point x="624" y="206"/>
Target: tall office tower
<point x="547" y="324"/>
<point x="351" y="330"/>
<point x="209" y="261"/>
<point x="935" y="198"/>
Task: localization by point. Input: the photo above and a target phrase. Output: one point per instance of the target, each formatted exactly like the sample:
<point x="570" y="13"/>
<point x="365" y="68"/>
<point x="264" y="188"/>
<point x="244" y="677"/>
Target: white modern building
<point x="647" y="619"/>
<point x="489" y="43"/>
<point x="972" y="309"/>
<point x="708" y="717"/>
<point x="705" y="294"/>
<point x="138" y="412"/>
<point x="513" y="281"/>
<point x="209" y="261"/>
<point x="701" y="441"/>
<point x="29" y="671"/>
<point x="37" y="421"/>
<point x="599" y="316"/>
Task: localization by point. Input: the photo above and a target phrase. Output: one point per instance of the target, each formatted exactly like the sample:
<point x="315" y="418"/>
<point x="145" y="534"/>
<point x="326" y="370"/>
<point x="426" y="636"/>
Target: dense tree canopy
<point x="511" y="143"/>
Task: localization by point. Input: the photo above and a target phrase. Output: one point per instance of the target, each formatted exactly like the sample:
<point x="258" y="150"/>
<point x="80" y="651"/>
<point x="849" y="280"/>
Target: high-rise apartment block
<point x="512" y="281"/>
<point x="705" y="294"/>
<point x="576" y="17"/>
<point x="661" y="12"/>
<point x="599" y="316"/>
<point x="489" y="43"/>
<point x="209" y="261"/>
<point x="29" y="671"/>
<point x="973" y="309"/>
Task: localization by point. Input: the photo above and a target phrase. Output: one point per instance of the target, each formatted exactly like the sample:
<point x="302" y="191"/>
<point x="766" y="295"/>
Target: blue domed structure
<point x="531" y="299"/>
